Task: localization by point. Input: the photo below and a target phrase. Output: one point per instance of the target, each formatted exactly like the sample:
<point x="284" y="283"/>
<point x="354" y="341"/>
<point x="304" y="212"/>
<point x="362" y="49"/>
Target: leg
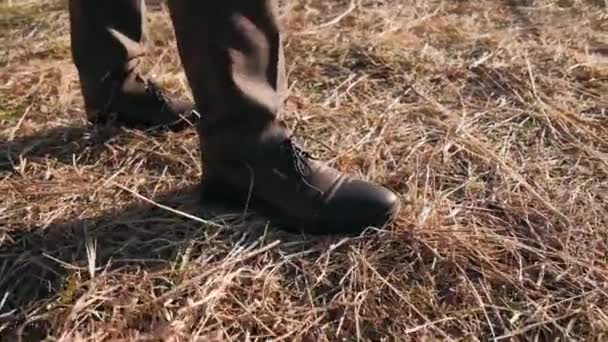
<point x="106" y="46"/>
<point x="231" y="52"/>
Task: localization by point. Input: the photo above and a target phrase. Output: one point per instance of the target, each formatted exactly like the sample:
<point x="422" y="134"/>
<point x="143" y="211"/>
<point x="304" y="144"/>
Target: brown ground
<point x="491" y="117"/>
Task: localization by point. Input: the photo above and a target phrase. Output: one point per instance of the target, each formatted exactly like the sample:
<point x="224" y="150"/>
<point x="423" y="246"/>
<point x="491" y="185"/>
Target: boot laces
<point x="150" y="87"/>
<point x="298" y="158"/>
<point x="157" y="93"/>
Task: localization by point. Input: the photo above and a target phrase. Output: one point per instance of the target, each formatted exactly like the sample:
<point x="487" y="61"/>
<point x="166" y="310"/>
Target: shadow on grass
<point x="62" y="144"/>
<point x="44" y="272"/>
<point x="72" y="145"/>
<point x="37" y="265"/>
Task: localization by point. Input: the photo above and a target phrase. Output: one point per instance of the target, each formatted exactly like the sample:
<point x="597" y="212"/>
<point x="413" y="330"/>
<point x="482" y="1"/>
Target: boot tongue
<point x="134" y="84"/>
<point x="301" y="165"/>
<point x="277" y="138"/>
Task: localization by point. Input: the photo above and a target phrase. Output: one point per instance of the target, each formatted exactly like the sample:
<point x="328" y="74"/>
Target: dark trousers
<point x="230" y="49"/>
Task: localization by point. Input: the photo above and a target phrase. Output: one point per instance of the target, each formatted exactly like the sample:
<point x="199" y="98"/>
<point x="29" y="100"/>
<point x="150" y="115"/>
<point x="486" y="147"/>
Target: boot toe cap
<point x="357" y="205"/>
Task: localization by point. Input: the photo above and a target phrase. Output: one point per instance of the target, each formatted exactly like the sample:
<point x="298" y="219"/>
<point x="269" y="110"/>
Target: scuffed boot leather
<point x="270" y="172"/>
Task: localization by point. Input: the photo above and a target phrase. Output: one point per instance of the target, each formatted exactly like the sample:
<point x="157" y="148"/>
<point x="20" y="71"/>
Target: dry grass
<point x="491" y="117"/>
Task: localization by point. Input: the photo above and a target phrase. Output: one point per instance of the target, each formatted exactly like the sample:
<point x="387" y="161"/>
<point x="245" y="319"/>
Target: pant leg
<point x="106" y="40"/>
<point x="232" y="54"/>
